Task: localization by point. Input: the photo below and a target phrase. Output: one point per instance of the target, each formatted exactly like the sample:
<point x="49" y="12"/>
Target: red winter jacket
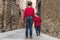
<point x="29" y="11"/>
<point x="37" y="21"/>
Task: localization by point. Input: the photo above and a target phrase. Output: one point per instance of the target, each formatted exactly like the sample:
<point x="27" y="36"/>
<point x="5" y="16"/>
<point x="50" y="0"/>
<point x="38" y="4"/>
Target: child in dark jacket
<point x="37" y="24"/>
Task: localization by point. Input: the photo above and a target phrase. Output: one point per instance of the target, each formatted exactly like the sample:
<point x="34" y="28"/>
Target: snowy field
<point x="20" y="35"/>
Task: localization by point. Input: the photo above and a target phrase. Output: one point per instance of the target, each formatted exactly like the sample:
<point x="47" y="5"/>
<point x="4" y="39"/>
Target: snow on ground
<point x="19" y="34"/>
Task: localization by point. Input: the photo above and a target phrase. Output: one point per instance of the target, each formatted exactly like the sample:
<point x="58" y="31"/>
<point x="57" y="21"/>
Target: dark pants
<point x="29" y="22"/>
<point x="37" y="30"/>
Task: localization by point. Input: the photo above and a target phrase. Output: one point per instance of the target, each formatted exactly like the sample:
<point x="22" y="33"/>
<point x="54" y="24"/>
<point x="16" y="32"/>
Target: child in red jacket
<point x="37" y="23"/>
<point x="29" y="17"/>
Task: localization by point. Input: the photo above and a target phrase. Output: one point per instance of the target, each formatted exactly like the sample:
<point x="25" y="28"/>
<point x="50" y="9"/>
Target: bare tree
<point x="3" y="14"/>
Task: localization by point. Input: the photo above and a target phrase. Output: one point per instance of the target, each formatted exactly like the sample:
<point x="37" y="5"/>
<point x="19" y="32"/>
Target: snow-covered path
<point x="20" y="35"/>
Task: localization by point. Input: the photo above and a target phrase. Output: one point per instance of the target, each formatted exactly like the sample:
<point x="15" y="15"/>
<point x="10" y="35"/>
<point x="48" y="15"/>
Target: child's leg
<point x="39" y="30"/>
<point x="36" y="31"/>
<point x="27" y="27"/>
<point x="30" y="26"/>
